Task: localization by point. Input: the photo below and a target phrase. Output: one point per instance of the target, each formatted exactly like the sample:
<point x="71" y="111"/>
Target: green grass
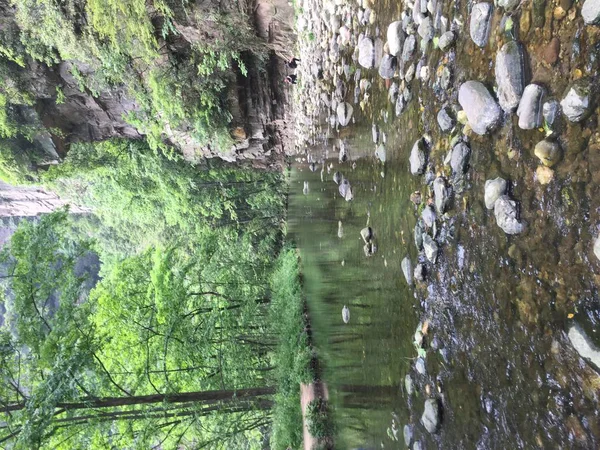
<point x="293" y="354"/>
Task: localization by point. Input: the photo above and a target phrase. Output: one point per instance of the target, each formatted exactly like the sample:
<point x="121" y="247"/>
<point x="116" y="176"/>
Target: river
<point x="496" y="308"/>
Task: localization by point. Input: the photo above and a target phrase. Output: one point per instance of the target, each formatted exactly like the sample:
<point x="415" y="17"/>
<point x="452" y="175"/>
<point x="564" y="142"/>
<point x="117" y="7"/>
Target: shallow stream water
<point x="498" y="359"/>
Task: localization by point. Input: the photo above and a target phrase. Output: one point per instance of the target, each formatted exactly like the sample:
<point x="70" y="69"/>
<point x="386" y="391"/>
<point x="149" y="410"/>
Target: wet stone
<point x="387" y="67"/>
<point x="446" y="40"/>
<point x="381" y="153"/>
<point x="459" y="159"/>
<point x="420" y="366"/>
<point x="426" y="29"/>
<point x="408" y="385"/>
<point x="548" y="152"/>
<point x="584" y="345"/>
<point x="576" y="102"/>
<point x="418" y="158"/>
<point x="551" y="110"/>
<point x="597" y="247"/>
<point x="408" y="50"/>
<point x="408" y="435"/>
<point x="393" y="93"/>
<point x="431" y="248"/>
<point x="494" y="189"/>
<point x="366" y="53"/>
<point x="445" y="119"/>
<point x="508" y="4"/>
<point x="417" y="446"/>
<point x="344" y="113"/>
<point x="395" y="38"/>
<point x="428" y="216"/>
<point x="480" y="23"/>
<point x="590" y="12"/>
<point x="530" y="107"/>
<point x="431" y="415"/>
<point x="410" y="73"/>
<point x="510" y="75"/>
<point x="442" y="195"/>
<point x="407" y="270"/>
<point x="419" y="230"/>
<point x="482" y="111"/>
<point x="419" y="273"/>
<point x="506" y="214"/>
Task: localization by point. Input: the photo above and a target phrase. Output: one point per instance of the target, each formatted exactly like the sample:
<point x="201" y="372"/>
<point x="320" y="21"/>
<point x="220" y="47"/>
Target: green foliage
<point x="319" y="422"/>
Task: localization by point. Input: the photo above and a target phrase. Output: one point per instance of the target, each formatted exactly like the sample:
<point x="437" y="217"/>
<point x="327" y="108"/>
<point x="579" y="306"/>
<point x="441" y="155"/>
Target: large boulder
<point x="432" y="415"/>
<point x="482" y="111"/>
<point x="506" y="214"/>
<point x="576" y="104"/>
<point x="395" y="38"/>
<point x="510" y="75"/>
<point x="530" y="107"/>
<point x="494" y="189"/>
<point x="590" y="11"/>
<point x="366" y="53"/>
<point x="481" y="17"/>
<point x="418" y="158"/>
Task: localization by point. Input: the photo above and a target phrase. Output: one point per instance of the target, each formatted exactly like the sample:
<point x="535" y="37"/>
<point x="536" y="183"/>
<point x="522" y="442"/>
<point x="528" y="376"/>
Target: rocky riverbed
<point x="489" y="111"/>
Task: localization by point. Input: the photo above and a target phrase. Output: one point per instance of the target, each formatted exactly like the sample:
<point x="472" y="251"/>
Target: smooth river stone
<point x="584" y="345"/>
<point x="408" y="50"/>
<point x="548" y="152"/>
<point x="366" y="53"/>
<point x="441" y="194"/>
<point x="530" y="107"/>
<point x="494" y="189"/>
<point x="395" y="38"/>
<point x="505" y="211"/>
<point x="481" y="15"/>
<point x="590" y="12"/>
<point x="431" y="415"/>
<point x="576" y="103"/>
<point x="482" y="111"/>
<point x="509" y="75"/>
<point x="418" y="158"/>
<point x="387" y="68"/>
<point x="407" y="270"/>
<point x="459" y="158"/>
<point x="431" y="248"/>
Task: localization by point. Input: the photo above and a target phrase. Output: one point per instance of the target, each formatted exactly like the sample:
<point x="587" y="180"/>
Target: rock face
<point x="431" y="417"/>
<point x="576" y="103"/>
<point x="442" y="194"/>
<point x="590" y="12"/>
<point x="530" y="107"/>
<point x="459" y="159"/>
<point x="446" y="40"/>
<point x="395" y="38"/>
<point x="480" y="23"/>
<point x="482" y="111"/>
<point x="584" y="346"/>
<point x="344" y="113"/>
<point x="494" y="189"/>
<point x="431" y="248"/>
<point x="406" y="266"/>
<point x="548" y="152"/>
<point x="506" y="214"/>
<point x="387" y="67"/>
<point x="366" y="53"/>
<point x="510" y="75"/>
<point x="418" y="158"/>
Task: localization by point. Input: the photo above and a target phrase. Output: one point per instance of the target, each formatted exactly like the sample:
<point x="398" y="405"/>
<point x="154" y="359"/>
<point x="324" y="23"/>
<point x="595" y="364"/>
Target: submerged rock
<point x="459" y="159"/>
<point x="441" y="193"/>
<point x="446" y="40"/>
<point x="480" y="23"/>
<point x="530" y="107"/>
<point x="590" y="11"/>
<point x="345" y="190"/>
<point x="577" y="101"/>
<point x="506" y="214"/>
<point x="548" y="152"/>
<point x="431" y="248"/>
<point x="395" y="38"/>
<point x="431" y="417"/>
<point x="366" y="53"/>
<point x="418" y="158"/>
<point x="406" y="266"/>
<point x="584" y="345"/>
<point x="510" y="75"/>
<point x="494" y="189"/>
<point x="482" y="111"/>
<point x="387" y="68"/>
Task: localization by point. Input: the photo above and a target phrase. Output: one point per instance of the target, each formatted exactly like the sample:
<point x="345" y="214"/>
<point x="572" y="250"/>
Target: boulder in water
<point x="445" y="119"/>
<point x="419" y="272"/>
<point x="508" y="4"/>
<point x="366" y="234"/>
<point x="408" y="435"/>
<point x="420" y="366"/>
<point x="510" y="78"/>
<point x="482" y="111"/>
<point x="506" y="214"/>
<point x="551" y="111"/>
<point x="597" y="247"/>
<point x="432" y="415"/>
<point x="408" y="50"/>
<point x="426" y="29"/>
<point x="408" y="385"/>
<point x="481" y="17"/>
<point x="381" y="153"/>
<point x="494" y="189"/>
<point x="428" y="216"/>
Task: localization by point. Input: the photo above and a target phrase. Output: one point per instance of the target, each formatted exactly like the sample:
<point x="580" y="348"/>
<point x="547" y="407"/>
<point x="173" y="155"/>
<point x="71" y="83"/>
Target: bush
<point x="318" y="417"/>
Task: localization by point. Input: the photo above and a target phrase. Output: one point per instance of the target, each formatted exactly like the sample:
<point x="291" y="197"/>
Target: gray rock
<point x="446" y="40"/>
<point x="417" y="446"/>
<point x="378" y="48"/>
<point x="459" y="159"/>
<point x="345" y="189"/>
<point x="400" y="105"/>
<point x="530" y="107"/>
<point x="445" y="119"/>
<point x="408" y="50"/>
<point x="419" y="272"/>
<point x="375" y="132"/>
<point x="590" y="11"/>
<point x="366" y="53"/>
<point x="596" y="247"/>
<point x="428" y="216"/>
<point x="548" y="152"/>
<point x="410" y="73"/>
<point x="420" y="366"/>
<point x="494" y="189"/>
<point x="344" y="113"/>
<point x="506" y="214"/>
<point x="510" y="75"/>
<point x="482" y="111"/>
<point x="418" y="158"/>
<point x="366" y="234"/>
<point x="393" y="92"/>
<point x="420" y="229"/>
<point x="426" y="29"/>
<point x="584" y="345"/>
<point x="381" y="153"/>
<point x="481" y="16"/>
<point x="577" y="101"/>
<point x="508" y="4"/>
<point x="441" y="194"/>
<point x="395" y="38"/>
<point x="431" y="248"/>
<point x="431" y="415"/>
<point x="408" y="435"/>
<point x="551" y="110"/>
<point x="387" y="67"/>
<point x="408" y="385"/>
<point x="407" y="270"/>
